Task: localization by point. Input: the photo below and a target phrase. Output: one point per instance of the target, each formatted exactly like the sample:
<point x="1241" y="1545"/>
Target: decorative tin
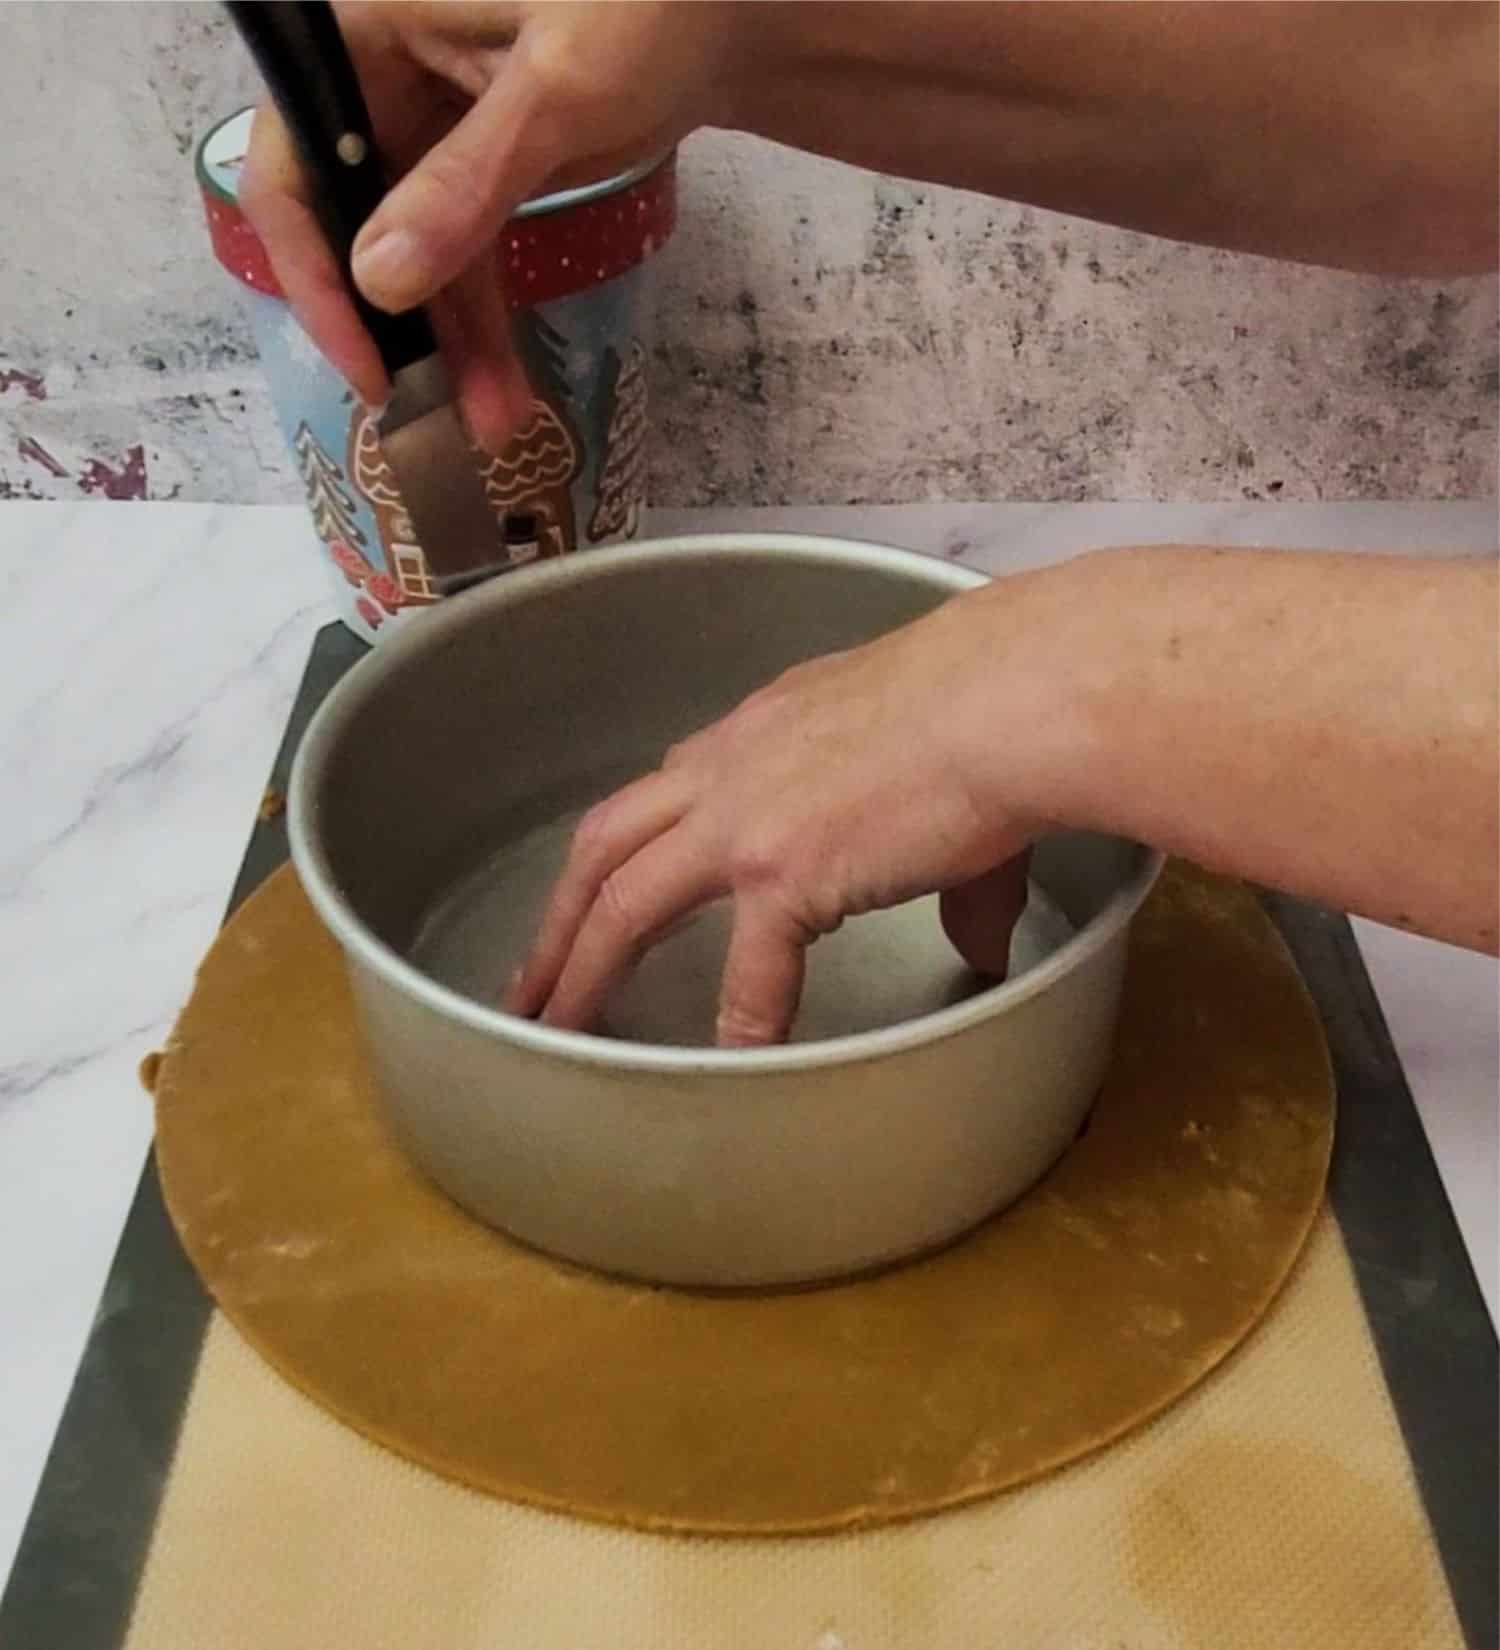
<point x="572" y="476"/>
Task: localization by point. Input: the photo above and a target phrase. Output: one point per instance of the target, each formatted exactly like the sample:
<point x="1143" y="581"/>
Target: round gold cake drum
<point x="1122" y="1279"/>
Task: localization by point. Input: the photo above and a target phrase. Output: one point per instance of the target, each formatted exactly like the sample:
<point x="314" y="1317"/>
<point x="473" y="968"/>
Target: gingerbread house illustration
<point x="528" y="485"/>
<point x="373" y="476"/>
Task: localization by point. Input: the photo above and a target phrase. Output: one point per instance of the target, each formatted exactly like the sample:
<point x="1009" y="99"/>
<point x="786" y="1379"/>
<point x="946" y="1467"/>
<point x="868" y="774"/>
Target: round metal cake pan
<point x="426" y="799"/>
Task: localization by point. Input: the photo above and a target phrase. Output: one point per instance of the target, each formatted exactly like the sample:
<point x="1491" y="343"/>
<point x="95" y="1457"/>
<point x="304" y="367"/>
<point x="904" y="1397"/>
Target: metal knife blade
<point x="436" y="472"/>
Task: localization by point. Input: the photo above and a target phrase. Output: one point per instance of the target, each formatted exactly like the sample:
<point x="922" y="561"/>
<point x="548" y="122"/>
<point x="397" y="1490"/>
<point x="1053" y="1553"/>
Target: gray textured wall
<point x="823" y="335"/>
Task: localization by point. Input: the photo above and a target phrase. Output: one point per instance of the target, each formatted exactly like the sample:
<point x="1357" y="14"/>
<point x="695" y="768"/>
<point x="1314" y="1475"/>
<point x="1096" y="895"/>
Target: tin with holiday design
<point x="575" y="269"/>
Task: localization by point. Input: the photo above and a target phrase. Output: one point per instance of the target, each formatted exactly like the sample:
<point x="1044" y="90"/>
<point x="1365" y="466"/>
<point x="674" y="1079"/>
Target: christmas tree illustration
<point x="544" y="353"/>
<point x="617" y="506"/>
<point x="327" y="496"/>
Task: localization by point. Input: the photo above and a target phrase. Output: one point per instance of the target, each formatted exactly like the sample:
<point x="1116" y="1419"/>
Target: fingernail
<point x="391" y="270"/>
<point x="734" y="1029"/>
<point x="510" y="997"/>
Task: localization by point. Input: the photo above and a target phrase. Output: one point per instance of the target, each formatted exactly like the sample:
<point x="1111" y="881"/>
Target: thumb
<point x="454" y="201"/>
<point x="980" y="916"/>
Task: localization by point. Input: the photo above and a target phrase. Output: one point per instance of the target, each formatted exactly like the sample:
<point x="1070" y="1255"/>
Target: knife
<point x="301" y="55"/>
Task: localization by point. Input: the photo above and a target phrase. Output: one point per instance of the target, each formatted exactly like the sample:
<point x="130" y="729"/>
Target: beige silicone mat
<point x="1271" y="1509"/>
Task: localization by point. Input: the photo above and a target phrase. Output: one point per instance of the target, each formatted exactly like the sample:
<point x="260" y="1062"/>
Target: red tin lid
<point x="556" y="244"/>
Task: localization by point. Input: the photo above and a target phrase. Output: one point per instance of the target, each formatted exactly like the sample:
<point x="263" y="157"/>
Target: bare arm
<point x="1361" y="135"/>
<point x="1323" y="724"/>
<point x="1358" y="135"/>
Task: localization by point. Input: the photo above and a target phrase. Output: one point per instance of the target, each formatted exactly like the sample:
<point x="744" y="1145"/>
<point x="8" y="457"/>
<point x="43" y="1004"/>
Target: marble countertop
<point x="152" y="652"/>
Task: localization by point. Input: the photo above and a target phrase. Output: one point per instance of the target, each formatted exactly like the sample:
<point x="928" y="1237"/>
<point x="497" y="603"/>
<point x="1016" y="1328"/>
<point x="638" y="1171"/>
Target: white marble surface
<point x="151" y="653"/>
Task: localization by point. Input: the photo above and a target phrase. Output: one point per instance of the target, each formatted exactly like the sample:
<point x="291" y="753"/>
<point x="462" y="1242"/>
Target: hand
<point x="835" y="790"/>
<point x="1233" y="706"/>
<point x="476" y="107"/>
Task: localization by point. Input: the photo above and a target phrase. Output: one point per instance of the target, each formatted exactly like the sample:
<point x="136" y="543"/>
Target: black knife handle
<point x="305" y="63"/>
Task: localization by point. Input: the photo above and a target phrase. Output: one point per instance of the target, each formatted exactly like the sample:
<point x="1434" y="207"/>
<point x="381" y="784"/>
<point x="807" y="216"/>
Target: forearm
<point x="1357" y="135"/>
<point x="1321" y="724"/>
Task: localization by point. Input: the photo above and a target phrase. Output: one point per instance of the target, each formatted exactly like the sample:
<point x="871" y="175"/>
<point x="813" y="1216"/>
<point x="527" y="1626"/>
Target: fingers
<point x="274" y="195"/>
<point x="763" y="976"/>
<point x="980" y="916"/>
<point x="458" y="195"/>
<point x="606" y="838"/>
<point x="473" y="331"/>
<point x="633" y="871"/>
<point x="470" y="317"/>
<point x="634" y="906"/>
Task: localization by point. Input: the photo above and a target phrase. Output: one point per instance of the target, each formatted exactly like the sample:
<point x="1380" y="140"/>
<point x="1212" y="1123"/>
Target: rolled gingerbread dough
<point x="1124" y="1277"/>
